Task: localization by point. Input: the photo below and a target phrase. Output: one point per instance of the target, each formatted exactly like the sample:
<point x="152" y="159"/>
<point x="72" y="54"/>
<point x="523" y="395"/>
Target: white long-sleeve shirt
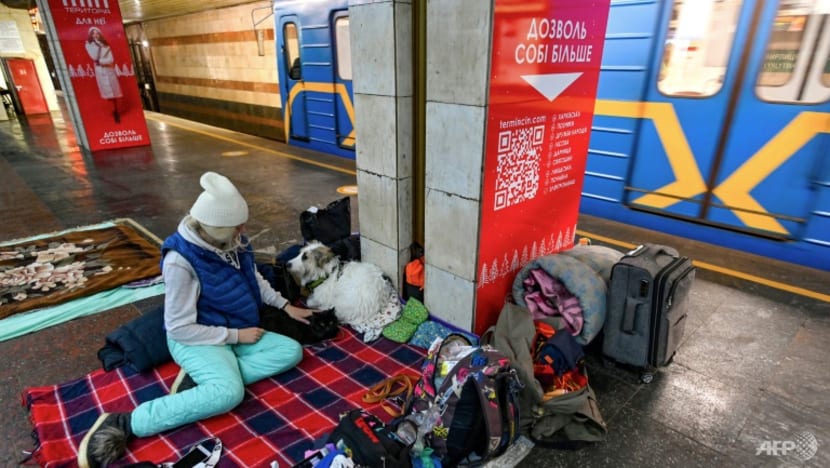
<point x="182" y="287"/>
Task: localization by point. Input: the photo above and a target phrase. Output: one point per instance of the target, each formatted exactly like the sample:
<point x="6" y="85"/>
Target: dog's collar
<point x="310" y="286"/>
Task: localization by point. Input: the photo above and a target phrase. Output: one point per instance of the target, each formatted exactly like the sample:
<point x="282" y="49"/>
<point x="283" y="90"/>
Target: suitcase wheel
<point x="646" y="377"/>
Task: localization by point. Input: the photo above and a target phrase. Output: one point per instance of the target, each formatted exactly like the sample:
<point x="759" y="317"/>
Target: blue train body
<point x="734" y="158"/>
<point x="314" y="63"/>
<point x="712" y="119"/>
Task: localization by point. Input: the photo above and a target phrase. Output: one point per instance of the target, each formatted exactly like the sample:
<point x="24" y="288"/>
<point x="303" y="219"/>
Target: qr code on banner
<point x="517" y="172"/>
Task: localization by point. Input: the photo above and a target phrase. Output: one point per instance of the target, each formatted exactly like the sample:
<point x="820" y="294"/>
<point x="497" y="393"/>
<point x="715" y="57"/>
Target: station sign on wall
<point x="97" y="58"/>
<point x="545" y="65"/>
<point x="10" y="41"/>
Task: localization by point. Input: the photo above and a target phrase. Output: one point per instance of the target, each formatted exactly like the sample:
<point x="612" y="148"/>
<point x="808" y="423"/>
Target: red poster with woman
<point x="100" y="68"/>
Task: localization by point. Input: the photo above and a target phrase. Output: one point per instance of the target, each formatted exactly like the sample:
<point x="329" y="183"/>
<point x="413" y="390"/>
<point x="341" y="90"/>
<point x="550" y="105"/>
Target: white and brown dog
<point x="361" y="295"/>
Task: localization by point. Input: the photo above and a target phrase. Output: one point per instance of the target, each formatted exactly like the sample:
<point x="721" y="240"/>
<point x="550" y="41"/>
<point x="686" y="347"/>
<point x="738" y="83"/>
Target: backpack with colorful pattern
<point x="464" y="403"/>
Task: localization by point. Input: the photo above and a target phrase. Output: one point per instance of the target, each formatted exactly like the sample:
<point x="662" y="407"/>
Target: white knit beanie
<point x="221" y="204"/>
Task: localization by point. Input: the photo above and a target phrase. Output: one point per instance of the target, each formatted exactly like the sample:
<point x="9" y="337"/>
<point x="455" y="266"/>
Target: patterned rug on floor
<point x="279" y="419"/>
<point x="51" y="278"/>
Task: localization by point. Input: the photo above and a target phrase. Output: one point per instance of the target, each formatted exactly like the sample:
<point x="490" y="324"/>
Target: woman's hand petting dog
<point x="299" y="314"/>
<point x="249" y="335"/>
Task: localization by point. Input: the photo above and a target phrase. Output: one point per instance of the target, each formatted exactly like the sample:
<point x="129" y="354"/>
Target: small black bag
<point x="368" y="441"/>
<point x="347" y="249"/>
<point x="329" y="224"/>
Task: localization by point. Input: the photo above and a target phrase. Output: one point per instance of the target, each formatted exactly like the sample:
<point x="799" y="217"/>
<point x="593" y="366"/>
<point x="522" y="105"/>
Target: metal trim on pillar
<point x="419" y="97"/>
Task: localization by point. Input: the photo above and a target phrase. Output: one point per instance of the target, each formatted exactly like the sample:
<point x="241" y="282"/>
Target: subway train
<point x="712" y="118"/>
<point x="315" y="74"/>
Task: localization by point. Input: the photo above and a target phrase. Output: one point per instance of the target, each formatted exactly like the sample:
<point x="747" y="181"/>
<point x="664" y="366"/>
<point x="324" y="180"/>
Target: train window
<point x="697" y="47"/>
<point x="796" y="65"/>
<point x="344" y="49"/>
<point x="292" y="50"/>
<point x="782" y="52"/>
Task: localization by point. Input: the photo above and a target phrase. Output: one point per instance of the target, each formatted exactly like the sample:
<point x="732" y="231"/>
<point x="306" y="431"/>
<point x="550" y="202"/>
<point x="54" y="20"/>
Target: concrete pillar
<point x="458" y="55"/>
<point x="381" y="42"/>
<point x="490" y="194"/>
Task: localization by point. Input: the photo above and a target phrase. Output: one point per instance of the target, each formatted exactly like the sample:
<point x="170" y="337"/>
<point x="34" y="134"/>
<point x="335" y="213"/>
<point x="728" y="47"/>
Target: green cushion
<point x="399" y="331"/>
<point x="414" y="312"/>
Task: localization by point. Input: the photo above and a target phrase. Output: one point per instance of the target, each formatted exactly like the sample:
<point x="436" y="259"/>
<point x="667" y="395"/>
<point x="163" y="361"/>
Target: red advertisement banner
<point x="98" y="60"/>
<point x="544" y="70"/>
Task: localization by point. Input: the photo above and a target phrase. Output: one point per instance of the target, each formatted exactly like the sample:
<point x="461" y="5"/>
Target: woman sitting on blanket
<point x="211" y="313"/>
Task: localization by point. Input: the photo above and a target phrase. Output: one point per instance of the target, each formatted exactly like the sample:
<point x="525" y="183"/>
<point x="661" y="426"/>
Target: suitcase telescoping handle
<point x="660" y="249"/>
<point x="629" y="319"/>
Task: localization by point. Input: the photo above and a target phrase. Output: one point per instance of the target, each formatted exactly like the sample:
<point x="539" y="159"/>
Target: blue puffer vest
<point x="228" y="297"/>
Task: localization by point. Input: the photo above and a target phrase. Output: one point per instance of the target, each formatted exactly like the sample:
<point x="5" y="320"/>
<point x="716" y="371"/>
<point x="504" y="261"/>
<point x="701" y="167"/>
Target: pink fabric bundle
<point x="548" y="297"/>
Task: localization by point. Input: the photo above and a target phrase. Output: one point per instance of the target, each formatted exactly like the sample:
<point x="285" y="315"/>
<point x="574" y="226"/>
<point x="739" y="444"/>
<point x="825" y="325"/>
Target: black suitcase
<point x="647" y="307"/>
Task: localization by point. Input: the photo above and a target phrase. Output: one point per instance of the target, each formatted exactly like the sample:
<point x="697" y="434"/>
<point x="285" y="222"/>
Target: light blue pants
<point x="220" y="373"/>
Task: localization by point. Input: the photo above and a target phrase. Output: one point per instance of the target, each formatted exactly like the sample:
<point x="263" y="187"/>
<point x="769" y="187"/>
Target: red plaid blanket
<point x="279" y="419"/>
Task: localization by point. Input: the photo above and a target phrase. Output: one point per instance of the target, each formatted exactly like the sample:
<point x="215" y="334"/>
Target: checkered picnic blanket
<point x="279" y="419"/>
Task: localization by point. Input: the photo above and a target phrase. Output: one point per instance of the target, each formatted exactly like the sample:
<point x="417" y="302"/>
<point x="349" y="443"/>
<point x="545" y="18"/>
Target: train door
<point x="29" y="92"/>
<point x="291" y="82"/>
<point x="344" y="129"/>
<point x="315" y="72"/>
<point x="738" y="97"/>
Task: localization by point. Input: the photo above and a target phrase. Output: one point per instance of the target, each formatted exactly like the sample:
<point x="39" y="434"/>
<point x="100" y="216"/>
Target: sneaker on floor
<point x="106" y="441"/>
<point x="183" y="382"/>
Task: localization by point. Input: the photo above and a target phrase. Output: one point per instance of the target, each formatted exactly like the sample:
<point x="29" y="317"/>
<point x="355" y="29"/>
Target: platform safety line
<point x="251" y="145"/>
<point x="722" y="270"/>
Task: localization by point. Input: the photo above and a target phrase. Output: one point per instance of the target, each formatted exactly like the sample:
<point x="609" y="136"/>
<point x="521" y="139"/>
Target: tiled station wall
<point x="208" y="68"/>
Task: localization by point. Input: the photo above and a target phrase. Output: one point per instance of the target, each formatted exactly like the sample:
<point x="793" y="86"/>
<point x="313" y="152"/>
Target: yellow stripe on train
<point x="735" y="190"/>
<point x="328" y="88"/>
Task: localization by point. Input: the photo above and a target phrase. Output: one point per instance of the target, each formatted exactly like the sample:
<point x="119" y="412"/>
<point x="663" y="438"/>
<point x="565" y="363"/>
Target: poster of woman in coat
<point x="100" y="52"/>
<point x="102" y="92"/>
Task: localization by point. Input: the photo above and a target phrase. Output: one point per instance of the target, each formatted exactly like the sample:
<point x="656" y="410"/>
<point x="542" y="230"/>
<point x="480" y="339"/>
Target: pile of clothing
<point x="558" y="361"/>
<point x="568" y="289"/>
